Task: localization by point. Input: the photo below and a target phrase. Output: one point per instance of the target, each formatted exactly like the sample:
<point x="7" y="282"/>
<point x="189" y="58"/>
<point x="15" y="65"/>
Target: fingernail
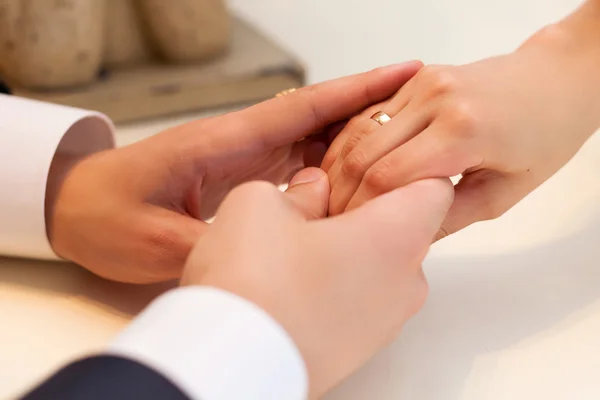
<point x="406" y="64"/>
<point x="307" y="175"/>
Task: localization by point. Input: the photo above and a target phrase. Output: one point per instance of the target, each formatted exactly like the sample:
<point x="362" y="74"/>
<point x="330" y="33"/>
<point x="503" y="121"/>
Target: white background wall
<point x="339" y="37"/>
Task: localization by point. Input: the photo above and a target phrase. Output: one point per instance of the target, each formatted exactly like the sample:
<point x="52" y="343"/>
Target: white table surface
<point x="514" y="308"/>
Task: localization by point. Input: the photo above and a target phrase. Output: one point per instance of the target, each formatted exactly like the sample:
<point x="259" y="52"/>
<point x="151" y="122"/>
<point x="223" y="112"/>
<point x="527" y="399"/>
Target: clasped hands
<point x="342" y="286"/>
<point x="133" y="214"/>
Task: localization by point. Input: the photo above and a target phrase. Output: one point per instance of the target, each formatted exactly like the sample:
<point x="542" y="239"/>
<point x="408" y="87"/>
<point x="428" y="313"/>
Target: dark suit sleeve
<point x="106" y="378"/>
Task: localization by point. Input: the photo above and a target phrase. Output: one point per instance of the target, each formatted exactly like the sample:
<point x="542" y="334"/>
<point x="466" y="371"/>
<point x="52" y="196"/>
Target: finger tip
<point x="308" y="175"/>
<point x="418" y="63"/>
<point x="408" y="66"/>
<point x="309" y="191"/>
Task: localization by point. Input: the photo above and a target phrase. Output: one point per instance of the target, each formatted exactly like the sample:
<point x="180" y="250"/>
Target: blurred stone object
<point x="55" y="44"/>
<point x="46" y="44"/>
<point x="253" y="69"/>
<point x="126" y="42"/>
<point x="187" y="31"/>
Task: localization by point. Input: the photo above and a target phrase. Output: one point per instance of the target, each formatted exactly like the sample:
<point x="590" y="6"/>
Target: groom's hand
<point x="134" y="213"/>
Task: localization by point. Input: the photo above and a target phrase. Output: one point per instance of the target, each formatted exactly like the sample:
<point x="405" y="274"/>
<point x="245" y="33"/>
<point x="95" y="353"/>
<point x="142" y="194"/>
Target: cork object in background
<point x="57" y="44"/>
<point x="187" y="31"/>
<point x="51" y="43"/>
<point x="126" y="35"/>
<point x="252" y="70"/>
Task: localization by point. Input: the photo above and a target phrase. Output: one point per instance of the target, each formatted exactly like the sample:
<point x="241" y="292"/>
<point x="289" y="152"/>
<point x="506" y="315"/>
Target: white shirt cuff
<point x="31" y="133"/>
<point x="215" y="346"/>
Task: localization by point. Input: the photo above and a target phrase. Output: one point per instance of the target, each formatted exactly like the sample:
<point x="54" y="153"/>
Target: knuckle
<point x="329" y="159"/>
<point x="378" y="177"/>
<point x="357" y="129"/>
<point x="355" y="164"/>
<point x="352" y="142"/>
<point x="461" y="117"/>
<point x="354" y="124"/>
<point x="440" y="80"/>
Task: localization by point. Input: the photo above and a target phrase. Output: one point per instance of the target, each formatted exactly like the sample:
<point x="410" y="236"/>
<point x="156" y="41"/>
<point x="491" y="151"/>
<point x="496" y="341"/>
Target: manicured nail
<point x="406" y="64"/>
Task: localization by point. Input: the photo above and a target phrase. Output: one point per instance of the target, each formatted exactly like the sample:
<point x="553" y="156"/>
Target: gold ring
<point x="381" y="118"/>
<point x="285" y="92"/>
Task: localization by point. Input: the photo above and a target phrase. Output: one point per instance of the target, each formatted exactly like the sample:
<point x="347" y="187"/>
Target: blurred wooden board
<point x="254" y="69"/>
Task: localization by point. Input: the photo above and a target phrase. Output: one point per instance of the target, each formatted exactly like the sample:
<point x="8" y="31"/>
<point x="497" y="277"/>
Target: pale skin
<point x="133" y="214"/>
<point x="506" y="123"/>
<point x="342" y="287"/>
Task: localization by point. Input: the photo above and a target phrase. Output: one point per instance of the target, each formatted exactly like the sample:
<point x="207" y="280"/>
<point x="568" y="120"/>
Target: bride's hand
<point x="506" y="123"/>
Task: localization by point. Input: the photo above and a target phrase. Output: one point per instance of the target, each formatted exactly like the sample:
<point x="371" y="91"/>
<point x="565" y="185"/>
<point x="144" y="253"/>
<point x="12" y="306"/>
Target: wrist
<point x="62" y="165"/>
<point x="576" y="36"/>
<point x="584" y="24"/>
<point x="569" y="40"/>
<point x="571" y="48"/>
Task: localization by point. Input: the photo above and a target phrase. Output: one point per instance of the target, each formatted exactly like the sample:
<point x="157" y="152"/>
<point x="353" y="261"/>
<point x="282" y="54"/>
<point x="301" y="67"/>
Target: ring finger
<point x="348" y="174"/>
<point x="360" y="127"/>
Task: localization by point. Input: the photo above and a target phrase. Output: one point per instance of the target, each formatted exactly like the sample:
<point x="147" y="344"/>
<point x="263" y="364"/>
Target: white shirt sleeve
<point x="214" y="345"/>
<point x="31" y="133"/>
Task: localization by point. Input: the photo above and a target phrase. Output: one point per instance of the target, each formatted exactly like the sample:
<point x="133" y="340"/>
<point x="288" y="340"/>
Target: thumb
<point x="309" y="192"/>
<point x="399" y="225"/>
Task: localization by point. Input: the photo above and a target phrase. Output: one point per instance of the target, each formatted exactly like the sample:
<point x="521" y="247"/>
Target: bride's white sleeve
<point x="32" y="133"/>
